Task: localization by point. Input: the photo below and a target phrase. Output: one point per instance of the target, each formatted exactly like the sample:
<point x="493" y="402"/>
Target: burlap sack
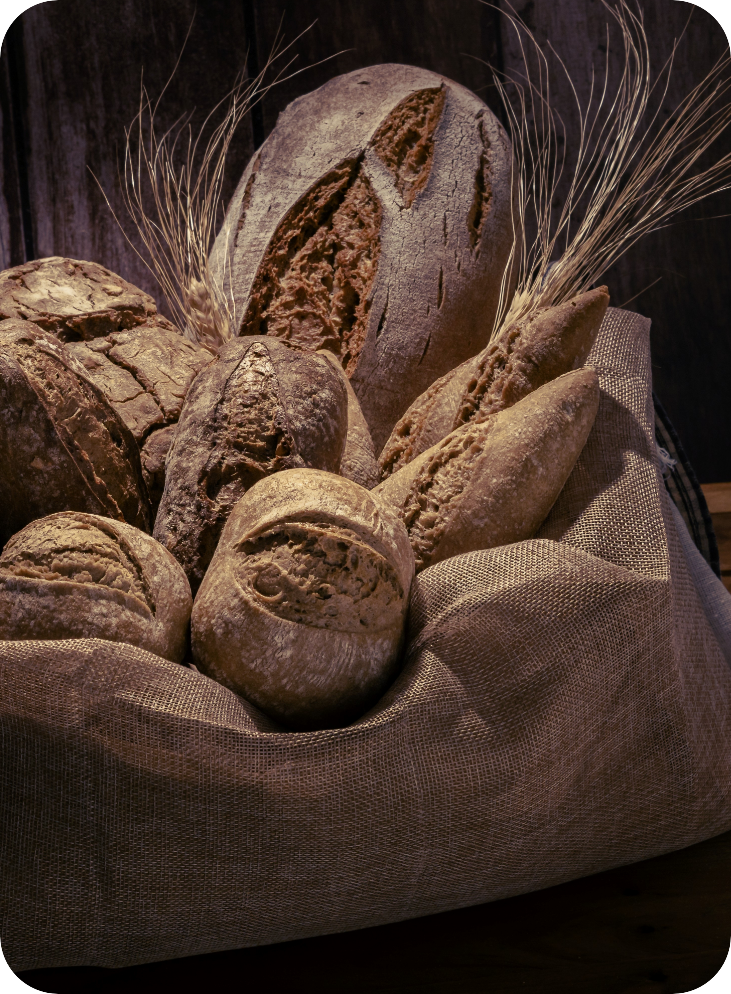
<point x="564" y="708"/>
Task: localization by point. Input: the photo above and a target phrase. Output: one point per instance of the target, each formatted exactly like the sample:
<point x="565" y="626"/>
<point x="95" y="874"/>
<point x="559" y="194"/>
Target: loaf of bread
<point x="62" y="445"/>
<point x="258" y="408"/>
<point x="74" y="300"/>
<point x="493" y="482"/>
<point x="359" y="462"/>
<point x="376" y="222"/>
<point x="525" y="355"/>
<point x="145" y="374"/>
<point x="73" y="575"/>
<point x="302" y="609"/>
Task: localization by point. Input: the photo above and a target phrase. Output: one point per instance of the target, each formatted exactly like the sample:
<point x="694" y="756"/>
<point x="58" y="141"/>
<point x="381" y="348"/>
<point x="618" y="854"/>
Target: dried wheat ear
<point x="525" y="355"/>
<point x="375" y="222"/>
<point x="302" y="609"/>
<point x="73" y="575"/>
<point x="493" y="482"/>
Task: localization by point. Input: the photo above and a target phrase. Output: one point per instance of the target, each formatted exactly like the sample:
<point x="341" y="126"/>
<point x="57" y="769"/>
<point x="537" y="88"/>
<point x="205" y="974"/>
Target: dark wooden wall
<point x="70" y="82"/>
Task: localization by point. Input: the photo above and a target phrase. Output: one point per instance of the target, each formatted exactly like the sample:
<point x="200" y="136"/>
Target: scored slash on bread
<point x="493" y="482"/>
<point x="258" y="408"/>
<point x="525" y="355"/>
<point x="62" y="444"/>
<point x="302" y="609"/>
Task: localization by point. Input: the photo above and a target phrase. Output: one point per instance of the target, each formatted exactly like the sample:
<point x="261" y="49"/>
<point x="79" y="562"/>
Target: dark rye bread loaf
<point x="62" y="445"/>
<point x="526" y="354"/>
<point x="375" y="221"/>
<point x="73" y="575"/>
<point x="303" y="608"/>
<point x="258" y="408"/>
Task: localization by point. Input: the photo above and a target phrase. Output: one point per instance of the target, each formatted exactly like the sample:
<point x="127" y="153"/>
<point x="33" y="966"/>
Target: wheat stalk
<point x="632" y="175"/>
<point x="186" y="199"/>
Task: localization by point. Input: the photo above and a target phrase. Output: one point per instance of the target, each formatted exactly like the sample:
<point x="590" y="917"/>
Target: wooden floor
<point x="718" y="498"/>
<point x="658" y="927"/>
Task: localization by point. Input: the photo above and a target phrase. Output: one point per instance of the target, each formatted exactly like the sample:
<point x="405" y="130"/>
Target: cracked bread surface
<point x="314" y="285"/>
<point x="75" y="549"/>
<point x="259" y="408"/>
<point x="65" y="447"/>
<point x="375" y="221"/>
<point x="73" y="299"/>
<point x="321" y="575"/>
<point x="315" y="575"/>
<point x="539" y="348"/>
<point x="75" y="575"/>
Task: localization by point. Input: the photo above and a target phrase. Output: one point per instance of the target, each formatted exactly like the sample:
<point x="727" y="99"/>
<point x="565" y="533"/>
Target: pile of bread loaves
<point x="228" y="509"/>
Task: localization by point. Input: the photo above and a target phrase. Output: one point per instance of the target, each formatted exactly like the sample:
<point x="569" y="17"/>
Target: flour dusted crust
<point x="302" y="609"/>
<point x="493" y="482"/>
<point x="62" y="445"/>
<point x="375" y="222"/>
<point x="526" y="354"/>
<point x="259" y="408"/>
<point x="73" y="575"/>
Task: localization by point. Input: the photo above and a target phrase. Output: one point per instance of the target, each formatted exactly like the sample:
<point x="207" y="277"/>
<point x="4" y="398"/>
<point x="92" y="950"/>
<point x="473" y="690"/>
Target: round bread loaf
<point x="62" y="445"/>
<point x="493" y="482"/>
<point x="73" y="575"/>
<point x="260" y="407"/>
<point x="74" y="300"/>
<point x="302" y="610"/>
<point x="525" y="355"/>
<point x="376" y="222"/>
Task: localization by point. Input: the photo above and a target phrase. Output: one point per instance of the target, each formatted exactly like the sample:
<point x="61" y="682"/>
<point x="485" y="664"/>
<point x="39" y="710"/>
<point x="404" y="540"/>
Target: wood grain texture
<point x="658" y="927"/>
<point x="83" y="67"/>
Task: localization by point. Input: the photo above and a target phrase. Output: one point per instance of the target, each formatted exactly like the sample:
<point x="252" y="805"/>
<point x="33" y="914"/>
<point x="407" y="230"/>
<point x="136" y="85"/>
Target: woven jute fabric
<point x="564" y="708"/>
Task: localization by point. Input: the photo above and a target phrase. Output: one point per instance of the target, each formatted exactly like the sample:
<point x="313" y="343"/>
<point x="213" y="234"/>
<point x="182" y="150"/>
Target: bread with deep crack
<point x="73" y="575"/>
<point x="376" y="222"/>
<point x="302" y="609"/>
<point x="493" y="482"/>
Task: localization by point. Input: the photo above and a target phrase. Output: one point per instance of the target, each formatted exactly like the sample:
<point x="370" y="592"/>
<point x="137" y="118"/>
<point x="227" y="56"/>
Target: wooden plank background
<point x="70" y="82"/>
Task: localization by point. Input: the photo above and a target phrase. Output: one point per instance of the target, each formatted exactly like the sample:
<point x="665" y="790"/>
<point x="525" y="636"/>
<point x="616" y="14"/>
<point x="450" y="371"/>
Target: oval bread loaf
<point x="376" y="222"/>
<point x="493" y="482"/>
<point x="524" y="356"/>
<point x="258" y="408"/>
<point x="62" y="445"/>
<point x="302" y="610"/>
<point x="72" y="575"/>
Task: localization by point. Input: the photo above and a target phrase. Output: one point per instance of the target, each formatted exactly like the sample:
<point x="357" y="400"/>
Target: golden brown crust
<point x="73" y="575"/>
<point x="302" y="609"/>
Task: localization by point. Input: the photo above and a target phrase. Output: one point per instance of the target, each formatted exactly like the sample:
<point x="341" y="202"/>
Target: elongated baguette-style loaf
<point x="524" y="356"/>
<point x="493" y="482"/>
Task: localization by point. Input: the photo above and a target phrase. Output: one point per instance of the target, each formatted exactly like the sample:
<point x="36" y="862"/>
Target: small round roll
<point x="302" y="609"/>
<point x="76" y="575"/>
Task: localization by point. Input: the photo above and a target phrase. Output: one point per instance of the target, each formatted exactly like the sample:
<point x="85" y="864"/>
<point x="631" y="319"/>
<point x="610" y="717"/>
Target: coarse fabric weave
<point x="564" y="708"/>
